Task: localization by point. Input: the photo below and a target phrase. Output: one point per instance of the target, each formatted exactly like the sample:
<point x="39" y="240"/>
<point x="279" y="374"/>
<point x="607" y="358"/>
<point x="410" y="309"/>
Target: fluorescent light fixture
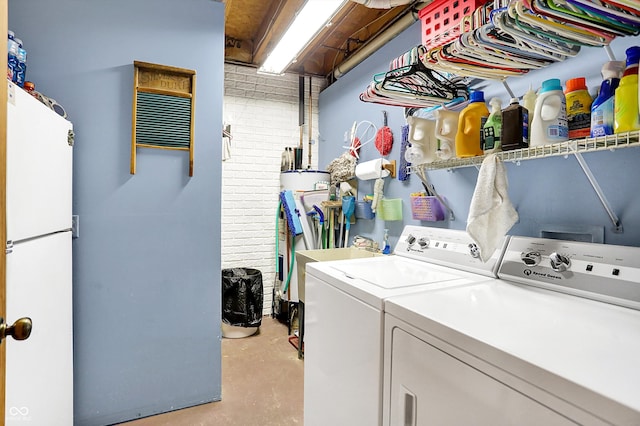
<point x="313" y="16"/>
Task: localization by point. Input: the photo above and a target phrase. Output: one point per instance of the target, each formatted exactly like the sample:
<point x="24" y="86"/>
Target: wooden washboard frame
<point x="163" y="109"/>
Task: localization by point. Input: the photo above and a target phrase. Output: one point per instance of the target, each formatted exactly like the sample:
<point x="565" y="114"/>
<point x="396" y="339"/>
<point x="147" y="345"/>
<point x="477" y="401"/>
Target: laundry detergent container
<point x="241" y="302"/>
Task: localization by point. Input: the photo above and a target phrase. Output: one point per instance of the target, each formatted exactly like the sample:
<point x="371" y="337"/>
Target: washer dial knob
<point x="410" y="240"/>
<point x="474" y="251"/>
<point x="531" y="258"/>
<point x="423" y="242"/>
<point x="559" y="262"/>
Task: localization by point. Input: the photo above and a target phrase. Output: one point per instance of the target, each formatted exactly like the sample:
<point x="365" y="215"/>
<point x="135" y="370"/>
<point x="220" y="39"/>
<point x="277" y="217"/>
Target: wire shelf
<point x="611" y="142"/>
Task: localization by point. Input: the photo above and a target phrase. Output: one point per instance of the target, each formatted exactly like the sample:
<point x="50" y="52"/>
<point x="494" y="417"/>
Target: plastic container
<point x="529" y="102"/>
<point x="363" y="210"/>
<point x="389" y="209"/>
<point x="446" y="129"/>
<point x="549" y="124"/>
<point x="578" y="108"/>
<point x="602" y="108"/>
<point x="12" y="59"/>
<point x="493" y="127"/>
<point x="470" y="123"/>
<point x="423" y="140"/>
<point x="515" y="126"/>
<point x="21" y="71"/>
<point x="426" y="208"/>
<point x="441" y="20"/>
<point x="626" y="95"/>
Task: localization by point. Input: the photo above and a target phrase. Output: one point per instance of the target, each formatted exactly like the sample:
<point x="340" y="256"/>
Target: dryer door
<point x="431" y="387"/>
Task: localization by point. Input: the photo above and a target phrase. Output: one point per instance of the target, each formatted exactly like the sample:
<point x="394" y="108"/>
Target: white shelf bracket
<point x="617" y="225"/>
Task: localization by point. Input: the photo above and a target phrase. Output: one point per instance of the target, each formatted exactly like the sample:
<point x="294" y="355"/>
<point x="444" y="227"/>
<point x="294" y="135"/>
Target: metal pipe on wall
<point x="399" y="26"/>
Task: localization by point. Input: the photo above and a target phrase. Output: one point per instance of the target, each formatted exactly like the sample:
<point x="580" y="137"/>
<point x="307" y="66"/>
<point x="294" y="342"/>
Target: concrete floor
<point x="262" y="385"/>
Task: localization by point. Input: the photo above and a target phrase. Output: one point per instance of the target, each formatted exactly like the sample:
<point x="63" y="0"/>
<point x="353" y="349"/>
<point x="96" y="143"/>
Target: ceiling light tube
<point x="313" y="16"/>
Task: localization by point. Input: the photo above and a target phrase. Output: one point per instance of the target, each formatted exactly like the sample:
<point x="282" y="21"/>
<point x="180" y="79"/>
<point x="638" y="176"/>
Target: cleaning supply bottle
<point x="626" y="97"/>
<point x="385" y="244"/>
<point x="602" y="107"/>
<point x="493" y="127"/>
<point x="549" y="124"/>
<point x="529" y="102"/>
<point x="578" y="108"/>
<point x="470" y="122"/>
<point x="515" y="126"/>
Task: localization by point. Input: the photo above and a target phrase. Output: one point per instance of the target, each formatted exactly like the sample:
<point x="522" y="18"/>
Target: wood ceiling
<point x="253" y="27"/>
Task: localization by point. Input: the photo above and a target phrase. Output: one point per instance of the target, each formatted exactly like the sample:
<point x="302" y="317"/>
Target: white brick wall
<point x="263" y="114"/>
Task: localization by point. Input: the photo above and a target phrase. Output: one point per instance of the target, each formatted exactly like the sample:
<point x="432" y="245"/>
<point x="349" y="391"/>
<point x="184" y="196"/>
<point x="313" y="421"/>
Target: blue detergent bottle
<point x="602" y="109"/>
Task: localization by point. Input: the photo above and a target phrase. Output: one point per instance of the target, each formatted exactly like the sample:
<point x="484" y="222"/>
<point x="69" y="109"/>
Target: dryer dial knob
<point x="411" y="240"/>
<point x="474" y="251"/>
<point x="423" y="242"/>
<point x="559" y="262"/>
<point x="531" y="258"/>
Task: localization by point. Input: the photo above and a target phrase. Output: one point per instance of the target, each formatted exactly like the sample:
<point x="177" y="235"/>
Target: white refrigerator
<point x="39" y="375"/>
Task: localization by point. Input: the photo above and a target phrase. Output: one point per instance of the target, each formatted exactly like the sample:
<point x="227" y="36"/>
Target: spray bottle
<point x="385" y="244"/>
<point x="529" y="102"/>
<point x="602" y="107"/>
<point x="493" y="127"/>
<point x="626" y="97"/>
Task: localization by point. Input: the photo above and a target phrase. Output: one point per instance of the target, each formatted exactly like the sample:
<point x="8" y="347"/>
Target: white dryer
<point x="554" y="341"/>
<point x="344" y="318"/>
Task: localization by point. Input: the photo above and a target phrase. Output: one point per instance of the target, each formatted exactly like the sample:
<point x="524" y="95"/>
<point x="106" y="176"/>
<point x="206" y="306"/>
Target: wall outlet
<point x="75" y="226"/>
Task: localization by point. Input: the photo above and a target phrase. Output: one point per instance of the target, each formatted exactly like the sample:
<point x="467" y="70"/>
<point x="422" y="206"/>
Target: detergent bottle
<point x="626" y="97"/>
<point x="493" y="127"/>
<point x="515" y="126"/>
<point x="549" y="124"/>
<point x="470" y="123"/>
<point x="578" y="108"/>
<point x="602" y="107"/>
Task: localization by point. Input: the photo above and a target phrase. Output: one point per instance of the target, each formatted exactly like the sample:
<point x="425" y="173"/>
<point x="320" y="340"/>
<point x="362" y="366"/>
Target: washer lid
<point x="393" y="272"/>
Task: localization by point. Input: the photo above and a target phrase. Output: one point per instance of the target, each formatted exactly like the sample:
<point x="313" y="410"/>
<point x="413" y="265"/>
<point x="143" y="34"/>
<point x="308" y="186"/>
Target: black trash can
<point x="242" y="295"/>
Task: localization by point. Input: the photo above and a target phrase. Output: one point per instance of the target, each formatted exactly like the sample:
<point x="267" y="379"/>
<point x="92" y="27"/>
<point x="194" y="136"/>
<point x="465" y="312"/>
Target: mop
<point x="348" y="207"/>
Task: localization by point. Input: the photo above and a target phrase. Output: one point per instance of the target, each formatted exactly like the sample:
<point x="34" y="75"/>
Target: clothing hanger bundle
<point x="410" y="83"/>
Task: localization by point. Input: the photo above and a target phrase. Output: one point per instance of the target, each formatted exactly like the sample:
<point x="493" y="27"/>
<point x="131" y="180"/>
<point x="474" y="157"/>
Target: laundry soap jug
<point x="578" y="108"/>
<point x="470" y="123"/>
<point x="493" y="127"/>
<point x="549" y="123"/>
<point x="446" y="129"/>
<point x="515" y="126"/>
<point x="602" y="107"/>
<point x="626" y="98"/>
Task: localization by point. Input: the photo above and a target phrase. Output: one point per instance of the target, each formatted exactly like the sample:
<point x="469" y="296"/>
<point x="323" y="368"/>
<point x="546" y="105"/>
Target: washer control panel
<point x="604" y="272"/>
<point x="447" y="247"/>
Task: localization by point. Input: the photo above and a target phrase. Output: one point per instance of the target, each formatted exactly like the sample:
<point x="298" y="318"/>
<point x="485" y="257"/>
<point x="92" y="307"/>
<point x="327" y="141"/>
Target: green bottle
<point x="493" y="127"/>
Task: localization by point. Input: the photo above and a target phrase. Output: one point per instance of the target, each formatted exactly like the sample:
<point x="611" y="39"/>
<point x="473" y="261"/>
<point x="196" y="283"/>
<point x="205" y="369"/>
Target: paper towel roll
<point x="372" y="169"/>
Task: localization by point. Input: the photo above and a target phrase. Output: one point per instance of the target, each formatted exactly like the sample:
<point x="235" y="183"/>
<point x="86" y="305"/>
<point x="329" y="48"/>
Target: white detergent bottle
<point x="549" y="123"/>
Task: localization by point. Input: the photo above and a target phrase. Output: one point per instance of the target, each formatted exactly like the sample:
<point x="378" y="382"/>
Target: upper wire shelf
<point x="621" y="140"/>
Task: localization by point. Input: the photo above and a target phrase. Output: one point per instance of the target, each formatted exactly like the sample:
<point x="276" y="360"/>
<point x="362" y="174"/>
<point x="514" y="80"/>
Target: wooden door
<point x="4" y="14"/>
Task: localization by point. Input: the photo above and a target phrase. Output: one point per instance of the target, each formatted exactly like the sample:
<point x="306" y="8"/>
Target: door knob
<point x="20" y="330"/>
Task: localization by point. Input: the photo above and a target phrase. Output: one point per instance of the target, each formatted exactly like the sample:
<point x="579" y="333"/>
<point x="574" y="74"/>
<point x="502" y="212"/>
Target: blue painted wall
<point x="548" y="193"/>
<point x="147" y="263"/>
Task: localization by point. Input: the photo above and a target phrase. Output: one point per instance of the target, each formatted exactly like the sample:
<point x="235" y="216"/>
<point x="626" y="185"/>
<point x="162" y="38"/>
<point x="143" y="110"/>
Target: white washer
<point x="512" y="351"/>
<point x="344" y="318"/>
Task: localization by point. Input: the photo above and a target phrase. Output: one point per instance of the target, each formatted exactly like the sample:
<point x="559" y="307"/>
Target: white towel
<point x="491" y="213"/>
